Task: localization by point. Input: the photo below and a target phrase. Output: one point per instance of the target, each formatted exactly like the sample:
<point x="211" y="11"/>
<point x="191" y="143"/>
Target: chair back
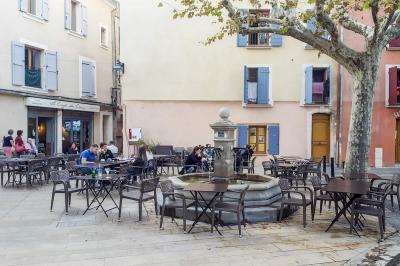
<point x="41" y="155"/>
<point x="70" y="165"/>
<point x="3" y="157"/>
<point x="387" y="188"/>
<point x="167" y="186"/>
<point x="316" y="182"/>
<point x="72" y="157"/>
<point x="284" y="184"/>
<point x="27" y="156"/>
<point x="253" y="161"/>
<point x="35" y="165"/>
<point x="396" y="179"/>
<point x="164" y="149"/>
<point x="59" y="176"/>
<point x="266" y="165"/>
<point x="124" y="169"/>
<point x="149" y="185"/>
<point x="243" y="194"/>
<point x="54" y="161"/>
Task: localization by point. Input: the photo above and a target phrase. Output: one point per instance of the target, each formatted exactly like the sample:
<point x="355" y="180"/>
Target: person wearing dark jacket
<point x="139" y="163"/>
<point x="73" y="149"/>
<point x="194" y="161"/>
<point x="105" y="153"/>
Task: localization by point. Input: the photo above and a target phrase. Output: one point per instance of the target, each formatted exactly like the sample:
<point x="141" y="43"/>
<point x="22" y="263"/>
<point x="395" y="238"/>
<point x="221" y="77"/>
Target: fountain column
<point x="224" y="141"/>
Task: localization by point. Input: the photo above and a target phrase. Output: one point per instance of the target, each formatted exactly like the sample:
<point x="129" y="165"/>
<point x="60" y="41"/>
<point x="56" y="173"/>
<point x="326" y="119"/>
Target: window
<point x="261" y="39"/>
<point x="317" y="85"/>
<point x="35" y="8"/>
<point x="257" y="138"/>
<point x="256" y="88"/>
<point x="33" y="69"/>
<point x="394" y="85"/>
<point x="103" y="36"/>
<point x="76" y="17"/>
<point x="88" y="77"/>
<point x="394" y="44"/>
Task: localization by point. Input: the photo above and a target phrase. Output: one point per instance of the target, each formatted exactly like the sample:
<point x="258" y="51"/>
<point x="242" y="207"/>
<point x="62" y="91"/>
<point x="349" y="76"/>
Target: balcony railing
<point x="33" y="78"/>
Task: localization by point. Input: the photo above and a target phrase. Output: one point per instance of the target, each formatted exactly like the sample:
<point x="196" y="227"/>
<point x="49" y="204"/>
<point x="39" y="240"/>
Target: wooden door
<point x="398" y="141"/>
<point x="320" y="136"/>
<point x="257" y="138"/>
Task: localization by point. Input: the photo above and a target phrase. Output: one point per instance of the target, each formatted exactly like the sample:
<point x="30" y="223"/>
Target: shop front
<point x="78" y="129"/>
<point x="42" y="129"/>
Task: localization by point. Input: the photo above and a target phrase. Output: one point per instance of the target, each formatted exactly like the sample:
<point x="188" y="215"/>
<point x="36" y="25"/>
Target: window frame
<point x="257" y="127"/>
<point x="105" y="44"/>
<point x="268" y="35"/>
<point x="303" y="86"/>
<point x="270" y="88"/>
<point x="387" y="92"/>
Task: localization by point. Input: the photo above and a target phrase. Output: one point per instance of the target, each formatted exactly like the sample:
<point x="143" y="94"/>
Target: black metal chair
<point x="173" y="200"/>
<point x="62" y="177"/>
<point x="320" y="196"/>
<point x="140" y="194"/>
<point x="53" y="164"/>
<point x="267" y="166"/>
<point x="394" y="191"/>
<point x="373" y="205"/>
<point x="34" y="170"/>
<point x="236" y="205"/>
<point x="287" y="190"/>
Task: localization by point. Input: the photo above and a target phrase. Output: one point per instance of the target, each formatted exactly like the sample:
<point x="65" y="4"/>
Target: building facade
<point x="281" y="92"/>
<point x="385" y="133"/>
<point x="57" y="61"/>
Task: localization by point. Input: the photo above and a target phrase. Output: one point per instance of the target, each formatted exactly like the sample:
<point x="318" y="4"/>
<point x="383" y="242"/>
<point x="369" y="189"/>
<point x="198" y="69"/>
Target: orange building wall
<point x="383" y="121"/>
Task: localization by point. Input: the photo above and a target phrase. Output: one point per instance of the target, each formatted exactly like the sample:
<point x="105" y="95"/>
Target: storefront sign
<point x="135" y="134"/>
<point x="47" y="103"/>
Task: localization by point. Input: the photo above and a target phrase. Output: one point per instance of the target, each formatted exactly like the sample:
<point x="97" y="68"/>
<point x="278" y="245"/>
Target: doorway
<point x="78" y="132"/>
<point x="320" y="136"/>
<point x="397" y="141"/>
<point x="41" y="128"/>
<point x="257" y="139"/>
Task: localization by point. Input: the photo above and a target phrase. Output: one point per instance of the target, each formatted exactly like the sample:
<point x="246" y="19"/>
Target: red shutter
<point x="395" y="43"/>
<point x="392" y="85"/>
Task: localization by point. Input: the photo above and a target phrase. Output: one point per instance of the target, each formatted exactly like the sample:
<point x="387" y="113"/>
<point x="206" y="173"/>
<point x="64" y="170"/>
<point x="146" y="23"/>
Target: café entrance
<point x="77" y="128"/>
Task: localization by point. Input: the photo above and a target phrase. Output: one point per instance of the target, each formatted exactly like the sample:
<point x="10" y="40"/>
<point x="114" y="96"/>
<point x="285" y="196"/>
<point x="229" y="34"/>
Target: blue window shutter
<point x="246" y="87"/>
<point x="45" y="9"/>
<point x="276" y="39"/>
<point x="84" y="20"/>
<point x="243" y="136"/>
<point x="51" y="68"/>
<point x="23" y="5"/>
<point x="273" y="139"/>
<point x="242" y="40"/>
<point x="327" y="84"/>
<point x="263" y="85"/>
<point x="18" y="64"/>
<point x="308" y="84"/>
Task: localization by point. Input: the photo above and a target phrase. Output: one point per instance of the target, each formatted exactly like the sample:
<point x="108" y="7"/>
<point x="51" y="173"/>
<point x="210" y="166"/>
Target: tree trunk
<point x="359" y="138"/>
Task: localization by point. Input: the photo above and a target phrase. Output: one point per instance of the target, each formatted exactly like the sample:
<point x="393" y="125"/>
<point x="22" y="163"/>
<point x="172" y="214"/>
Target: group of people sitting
<point x="95" y="153"/>
<point x="199" y="160"/>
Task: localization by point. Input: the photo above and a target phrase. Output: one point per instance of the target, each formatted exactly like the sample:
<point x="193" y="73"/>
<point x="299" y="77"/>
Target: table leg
<point x="108" y="194"/>
<point x="92" y="188"/>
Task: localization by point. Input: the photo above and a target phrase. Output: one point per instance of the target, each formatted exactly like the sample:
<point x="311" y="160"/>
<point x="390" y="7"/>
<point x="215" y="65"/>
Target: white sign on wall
<point x="47" y="103"/>
<point x="135" y="134"/>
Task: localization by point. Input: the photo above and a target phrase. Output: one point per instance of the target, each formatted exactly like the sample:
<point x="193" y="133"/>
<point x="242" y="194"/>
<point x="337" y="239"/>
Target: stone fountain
<point x="263" y="196"/>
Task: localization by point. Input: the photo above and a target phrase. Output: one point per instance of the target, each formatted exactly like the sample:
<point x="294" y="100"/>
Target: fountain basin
<point x="262" y="199"/>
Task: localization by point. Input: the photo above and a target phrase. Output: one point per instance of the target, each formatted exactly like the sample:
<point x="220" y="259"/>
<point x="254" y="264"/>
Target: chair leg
<point x="304" y="216"/>
<point x="52" y="197"/>
<point x="87" y="197"/>
<point x="391" y="200"/>
<point x="320" y="206"/>
<point x="281" y="212"/>
<point x="212" y="219"/>
<point x="351" y="222"/>
<point x="66" y="201"/>
<point x="381" y="226"/>
<point x="69" y="199"/>
<point x="162" y="213"/>
<point x="155" y="203"/>
<point x="239" y="224"/>
<point x="120" y="207"/>
<point x="184" y="216"/>
<point x="244" y="218"/>
<point x="312" y="212"/>
<point x="336" y="207"/>
<point x="140" y="209"/>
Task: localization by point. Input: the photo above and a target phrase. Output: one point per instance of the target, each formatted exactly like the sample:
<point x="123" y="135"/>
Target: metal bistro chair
<point x="267" y="166"/>
<point x="320" y="196"/>
<point x="173" y="200"/>
<point x="235" y="206"/>
<point x="27" y="156"/>
<point x="287" y="190"/>
<point x="394" y="191"/>
<point x="52" y="164"/>
<point x="33" y="170"/>
<point x="139" y="194"/>
<point x="62" y="177"/>
<point x="373" y="206"/>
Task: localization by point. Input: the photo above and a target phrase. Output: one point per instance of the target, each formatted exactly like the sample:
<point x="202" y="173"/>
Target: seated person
<point x="73" y="149"/>
<point x="149" y="154"/>
<point x="139" y="163"/>
<point x="88" y="156"/>
<point x="246" y="155"/>
<point x="105" y="153"/>
<point x="194" y="161"/>
<point x="30" y="147"/>
<point x="112" y="147"/>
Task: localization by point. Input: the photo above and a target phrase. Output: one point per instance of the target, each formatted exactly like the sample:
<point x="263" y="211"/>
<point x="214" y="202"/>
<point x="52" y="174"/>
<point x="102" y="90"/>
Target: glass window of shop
<point x="41" y="128"/>
<point x="78" y="129"/>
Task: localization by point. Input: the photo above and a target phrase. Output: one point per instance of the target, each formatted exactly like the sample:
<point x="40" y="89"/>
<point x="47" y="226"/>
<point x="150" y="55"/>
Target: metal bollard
<point x="332" y="167"/>
<point x="324" y="164"/>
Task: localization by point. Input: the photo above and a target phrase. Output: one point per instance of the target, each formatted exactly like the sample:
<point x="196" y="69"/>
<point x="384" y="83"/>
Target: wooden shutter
<point x="276" y="39"/>
<point x="243" y="136"/>
<point x="45" y="9"/>
<point x="273" y="139"/>
<point x="263" y="85"/>
<point x="23" y="5"/>
<point x="84" y="20"/>
<point x="18" y="64"/>
<point x="395" y="43"/>
<point x="246" y="86"/>
<point x="393" y="86"/>
<point x="308" y="85"/>
<point x="242" y="40"/>
<point x="51" y="69"/>
<point x="67" y="12"/>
